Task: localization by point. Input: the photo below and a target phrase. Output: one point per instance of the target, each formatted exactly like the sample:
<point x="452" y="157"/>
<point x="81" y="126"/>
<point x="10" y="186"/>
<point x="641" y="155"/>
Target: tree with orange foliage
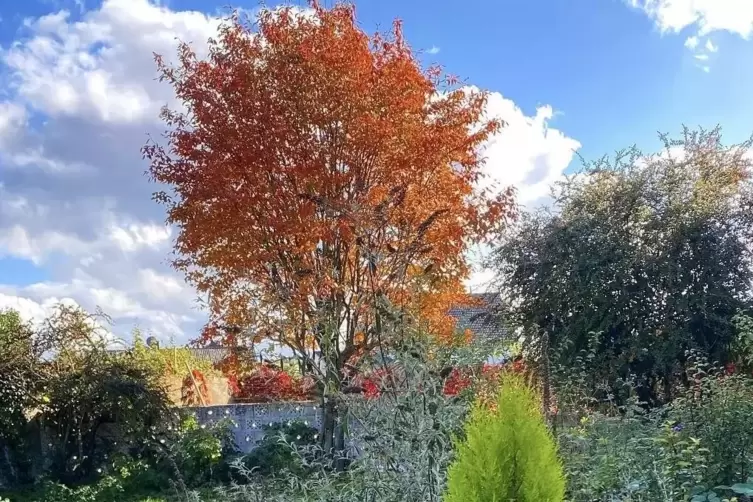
<point x="318" y="174"/>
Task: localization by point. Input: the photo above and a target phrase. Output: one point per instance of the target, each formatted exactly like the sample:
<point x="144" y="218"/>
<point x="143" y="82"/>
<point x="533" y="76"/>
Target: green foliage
<point x="167" y="361"/>
<point x="401" y="441"/>
<point x="717" y="409"/>
<point x="97" y="409"/>
<point x="277" y="452"/>
<point x="404" y="437"/>
<point x="19" y="379"/>
<point x="20" y="383"/>
<point x="635" y="458"/>
<point x="200" y="454"/>
<point x="107" y="489"/>
<point x="508" y="453"/>
<point x="605" y="458"/>
<point x="59" y="379"/>
<point x="644" y="258"/>
<point x="742" y="346"/>
<point x="696" y="448"/>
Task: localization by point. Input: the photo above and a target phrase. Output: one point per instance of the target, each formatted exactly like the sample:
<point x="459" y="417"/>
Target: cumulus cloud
<point x="704" y="17"/>
<point x="73" y="198"/>
<point x="101" y="66"/>
<point x="707" y="16"/>
<point x="526" y="153"/>
<point x="82" y="96"/>
<point x="12" y="121"/>
<point x="31" y="310"/>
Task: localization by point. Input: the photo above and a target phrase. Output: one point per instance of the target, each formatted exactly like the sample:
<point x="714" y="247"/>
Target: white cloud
<point x="136" y="236"/>
<point x="526" y="153"/>
<point x="30" y="310"/>
<point x="707" y="16"/>
<point x="36" y="313"/>
<point x="73" y="197"/>
<point x="160" y="286"/>
<point x="704" y="17"/>
<point x="102" y="66"/>
<point x="12" y="120"/>
<point x="433" y="50"/>
<point x="702" y="57"/>
<point x="17" y="242"/>
<point x="155" y="300"/>
<point x="691" y="42"/>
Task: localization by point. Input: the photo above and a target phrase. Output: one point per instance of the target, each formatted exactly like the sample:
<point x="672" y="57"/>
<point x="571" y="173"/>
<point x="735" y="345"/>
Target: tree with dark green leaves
<point x="640" y="259"/>
<point x="19" y="382"/>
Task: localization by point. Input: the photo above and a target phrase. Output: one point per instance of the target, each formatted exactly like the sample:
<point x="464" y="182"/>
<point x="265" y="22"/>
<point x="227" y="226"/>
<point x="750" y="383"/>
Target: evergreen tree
<point x="508" y="454"/>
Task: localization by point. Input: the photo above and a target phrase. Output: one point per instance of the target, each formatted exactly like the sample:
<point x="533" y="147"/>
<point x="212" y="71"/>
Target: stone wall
<point x="248" y="420"/>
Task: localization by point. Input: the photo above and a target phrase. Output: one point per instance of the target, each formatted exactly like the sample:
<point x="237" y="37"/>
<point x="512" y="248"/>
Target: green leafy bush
<point x="199" y="454"/>
<point x="108" y="488"/>
<point x="697" y="448"/>
<point x="276" y="453"/>
<point x="717" y="410"/>
<point x="20" y="382"/>
<point x="508" y="453"/>
<point x="98" y="409"/>
<point x="602" y="457"/>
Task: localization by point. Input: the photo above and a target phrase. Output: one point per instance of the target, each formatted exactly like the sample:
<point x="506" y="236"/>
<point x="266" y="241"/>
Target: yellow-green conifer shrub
<point x="508" y="454"/>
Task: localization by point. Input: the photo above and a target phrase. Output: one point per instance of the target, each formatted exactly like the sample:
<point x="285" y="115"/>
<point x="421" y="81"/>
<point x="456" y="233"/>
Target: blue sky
<point x="77" y="97"/>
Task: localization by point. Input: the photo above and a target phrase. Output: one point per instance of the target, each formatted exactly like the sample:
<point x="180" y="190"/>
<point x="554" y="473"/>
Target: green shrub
<point x="20" y="384"/>
<point x="400" y="441"/>
<point x="276" y="452"/>
<point x="697" y="448"/>
<point x="508" y="454"/>
<point x="603" y="456"/>
<point x="632" y="458"/>
<point x="103" y="391"/>
<point x="717" y="411"/>
<point x="106" y="489"/>
<point x="200" y="454"/>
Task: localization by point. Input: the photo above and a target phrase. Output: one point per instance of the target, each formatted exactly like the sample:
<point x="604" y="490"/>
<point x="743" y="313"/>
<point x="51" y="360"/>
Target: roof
<point x="215" y="355"/>
<point x="480" y="319"/>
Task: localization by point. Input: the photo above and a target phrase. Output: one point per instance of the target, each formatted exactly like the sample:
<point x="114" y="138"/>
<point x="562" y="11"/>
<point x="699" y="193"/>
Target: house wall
<point x="218" y="391"/>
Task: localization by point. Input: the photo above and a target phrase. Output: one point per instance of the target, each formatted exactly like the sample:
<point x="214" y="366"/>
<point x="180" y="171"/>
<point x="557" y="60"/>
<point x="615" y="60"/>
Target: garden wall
<point x="248" y="420"/>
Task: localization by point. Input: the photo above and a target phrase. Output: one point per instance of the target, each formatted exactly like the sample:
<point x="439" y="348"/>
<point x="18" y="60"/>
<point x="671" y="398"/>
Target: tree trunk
<point x="332" y="438"/>
<point x="339" y="438"/>
<point x="328" y="425"/>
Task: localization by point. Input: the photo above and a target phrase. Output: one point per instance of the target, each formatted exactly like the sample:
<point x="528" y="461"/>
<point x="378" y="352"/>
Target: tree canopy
<point x="641" y="259"/>
<point x="316" y="169"/>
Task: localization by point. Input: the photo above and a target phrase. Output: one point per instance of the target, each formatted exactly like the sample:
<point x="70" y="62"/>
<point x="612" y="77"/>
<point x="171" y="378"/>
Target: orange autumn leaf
<point x="317" y="167"/>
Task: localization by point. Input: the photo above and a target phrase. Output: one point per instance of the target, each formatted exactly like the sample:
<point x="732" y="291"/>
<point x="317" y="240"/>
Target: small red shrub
<point x="457" y="382"/>
<point x="266" y="384"/>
